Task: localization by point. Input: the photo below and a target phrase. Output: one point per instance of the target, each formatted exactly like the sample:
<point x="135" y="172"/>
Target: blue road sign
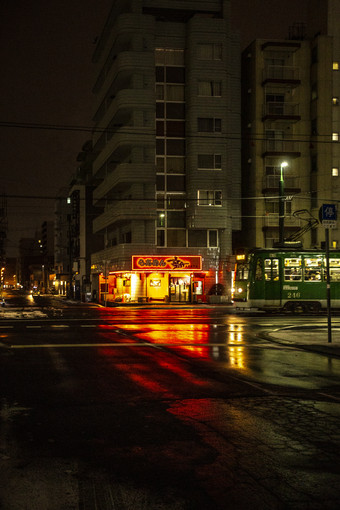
<point x="328" y="215"/>
<point x="328" y="212"/>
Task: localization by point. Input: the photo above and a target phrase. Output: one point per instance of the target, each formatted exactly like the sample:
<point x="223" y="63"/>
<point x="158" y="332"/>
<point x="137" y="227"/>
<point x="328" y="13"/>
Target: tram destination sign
<point x="328" y="215"/>
<point x="166" y="263"/>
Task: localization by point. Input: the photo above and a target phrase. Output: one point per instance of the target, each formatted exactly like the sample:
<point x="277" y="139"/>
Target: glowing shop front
<point x="155" y="279"/>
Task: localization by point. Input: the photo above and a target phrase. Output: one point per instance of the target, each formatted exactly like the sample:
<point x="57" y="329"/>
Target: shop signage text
<point x="167" y="263"/>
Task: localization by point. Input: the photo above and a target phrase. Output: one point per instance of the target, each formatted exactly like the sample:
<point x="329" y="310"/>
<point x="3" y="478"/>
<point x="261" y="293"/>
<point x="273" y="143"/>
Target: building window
<point x="335" y="101"/>
<point x="212" y="51"/>
<point x="335" y="66"/>
<point x="176" y="238"/>
<point x="212" y="238"/>
<point x="335" y="171"/>
<point x="209" y="88"/>
<point x="209" y="161"/>
<point x="335" y="137"/>
<point x="160" y="237"/>
<point x="209" y="197"/>
<point x="161" y="219"/>
<point x="209" y="125"/>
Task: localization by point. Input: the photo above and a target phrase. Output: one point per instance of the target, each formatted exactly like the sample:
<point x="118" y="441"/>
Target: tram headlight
<point x="239" y="290"/>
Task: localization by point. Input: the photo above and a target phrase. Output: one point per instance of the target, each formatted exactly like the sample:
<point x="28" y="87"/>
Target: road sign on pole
<point x="328" y="215"/>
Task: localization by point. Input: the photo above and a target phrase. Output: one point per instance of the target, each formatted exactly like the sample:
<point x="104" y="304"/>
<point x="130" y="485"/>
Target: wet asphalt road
<point x="166" y="409"/>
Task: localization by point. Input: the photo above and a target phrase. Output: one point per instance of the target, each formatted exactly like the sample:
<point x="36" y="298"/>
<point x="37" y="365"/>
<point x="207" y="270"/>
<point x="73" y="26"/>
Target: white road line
<point x="33" y="327"/>
<point x="130" y="344"/>
<point x="6" y="327"/>
<point x="60" y="326"/>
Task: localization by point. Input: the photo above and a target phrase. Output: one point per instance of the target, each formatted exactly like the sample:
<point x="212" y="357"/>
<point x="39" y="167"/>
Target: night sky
<point x="46" y="80"/>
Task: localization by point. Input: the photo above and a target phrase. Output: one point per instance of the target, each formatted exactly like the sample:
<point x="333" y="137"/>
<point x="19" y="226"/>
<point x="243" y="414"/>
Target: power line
<point x="250" y="137"/>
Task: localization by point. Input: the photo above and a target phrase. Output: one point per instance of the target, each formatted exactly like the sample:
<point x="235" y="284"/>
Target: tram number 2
<point x="293" y="295"/>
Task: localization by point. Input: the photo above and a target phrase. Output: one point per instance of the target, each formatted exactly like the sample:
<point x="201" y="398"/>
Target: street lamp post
<point x="281" y="203"/>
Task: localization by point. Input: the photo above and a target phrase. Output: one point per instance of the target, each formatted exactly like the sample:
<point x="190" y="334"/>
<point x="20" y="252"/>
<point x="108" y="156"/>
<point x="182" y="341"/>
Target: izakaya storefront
<point x="156" y="279"/>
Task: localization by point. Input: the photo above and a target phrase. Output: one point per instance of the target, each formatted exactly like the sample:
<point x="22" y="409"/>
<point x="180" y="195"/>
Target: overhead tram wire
<point x="303" y="138"/>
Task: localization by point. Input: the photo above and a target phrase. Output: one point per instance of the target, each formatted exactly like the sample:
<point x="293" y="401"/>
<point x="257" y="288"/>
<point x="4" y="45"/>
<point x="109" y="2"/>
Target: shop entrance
<point x="179" y="289"/>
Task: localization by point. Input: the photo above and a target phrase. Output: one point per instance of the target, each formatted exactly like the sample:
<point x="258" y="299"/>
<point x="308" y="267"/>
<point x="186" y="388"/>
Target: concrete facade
<point x="290" y="111"/>
<point x="167" y="145"/>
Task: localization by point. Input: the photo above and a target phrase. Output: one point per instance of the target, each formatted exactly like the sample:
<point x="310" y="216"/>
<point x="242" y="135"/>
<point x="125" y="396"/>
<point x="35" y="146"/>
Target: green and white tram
<point x="287" y="279"/>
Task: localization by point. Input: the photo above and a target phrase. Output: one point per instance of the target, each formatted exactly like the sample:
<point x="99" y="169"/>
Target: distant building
<point x="61" y="243"/>
<point x="167" y="139"/>
<point x="291" y="131"/>
<point x="30" y="263"/>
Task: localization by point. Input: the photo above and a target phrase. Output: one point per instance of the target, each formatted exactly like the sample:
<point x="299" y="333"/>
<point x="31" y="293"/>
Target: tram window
<point x="293" y="273"/>
<point x="334" y="270"/>
<point x="258" y="273"/>
<point x="242" y="271"/>
<point x="293" y="269"/>
<point x="312" y="269"/>
<point x="334" y="274"/>
<point x="312" y="275"/>
<point x="271" y="269"/>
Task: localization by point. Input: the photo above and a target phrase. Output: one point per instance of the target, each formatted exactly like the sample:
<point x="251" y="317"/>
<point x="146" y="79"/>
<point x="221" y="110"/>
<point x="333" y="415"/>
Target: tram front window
<point x="242" y="272"/>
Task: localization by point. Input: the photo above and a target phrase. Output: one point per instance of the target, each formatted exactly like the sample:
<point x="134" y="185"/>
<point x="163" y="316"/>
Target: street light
<point x="281" y="203"/>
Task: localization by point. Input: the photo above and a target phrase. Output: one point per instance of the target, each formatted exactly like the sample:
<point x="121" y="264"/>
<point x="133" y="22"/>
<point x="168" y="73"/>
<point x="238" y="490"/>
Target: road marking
<point x="130" y="344"/>
<point x="60" y="326"/>
<point x="6" y="327"/>
<point x="31" y="327"/>
<point x="88" y="325"/>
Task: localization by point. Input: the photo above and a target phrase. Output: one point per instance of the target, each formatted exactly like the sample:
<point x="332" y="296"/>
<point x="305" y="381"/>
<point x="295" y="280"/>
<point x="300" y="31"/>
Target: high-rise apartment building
<point x="167" y="139"/>
<point x="291" y="130"/>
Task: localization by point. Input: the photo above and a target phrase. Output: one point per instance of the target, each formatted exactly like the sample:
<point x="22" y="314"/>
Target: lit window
<point x="335" y="171"/>
<point x="209" y="197"/>
<point x="335" y="137"/>
<point x="335" y="101"/>
<point x="335" y="66"/>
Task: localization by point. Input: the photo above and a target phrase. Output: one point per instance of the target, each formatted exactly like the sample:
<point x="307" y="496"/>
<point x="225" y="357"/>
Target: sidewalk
<point x="310" y="338"/>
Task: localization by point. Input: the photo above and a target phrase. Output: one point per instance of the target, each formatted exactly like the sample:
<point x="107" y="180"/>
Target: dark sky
<point x="46" y="78"/>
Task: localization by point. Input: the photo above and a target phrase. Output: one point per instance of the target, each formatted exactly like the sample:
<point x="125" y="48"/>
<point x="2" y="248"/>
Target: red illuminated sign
<point x="166" y="263"/>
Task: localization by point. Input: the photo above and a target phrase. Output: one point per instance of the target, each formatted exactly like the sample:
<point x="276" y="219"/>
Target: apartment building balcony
<point x="271" y="184"/>
<point x="288" y="148"/>
<point x="123" y="211"/>
<point x="129" y="136"/>
<point x="121" y="178"/>
<point x="281" y="110"/>
<point x="125" y="65"/>
<point x="281" y="74"/>
<point x="125" y="102"/>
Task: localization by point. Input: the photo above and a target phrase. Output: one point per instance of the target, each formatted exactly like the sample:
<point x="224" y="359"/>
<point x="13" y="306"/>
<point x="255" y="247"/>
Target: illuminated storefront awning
<point x="166" y="263"/>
